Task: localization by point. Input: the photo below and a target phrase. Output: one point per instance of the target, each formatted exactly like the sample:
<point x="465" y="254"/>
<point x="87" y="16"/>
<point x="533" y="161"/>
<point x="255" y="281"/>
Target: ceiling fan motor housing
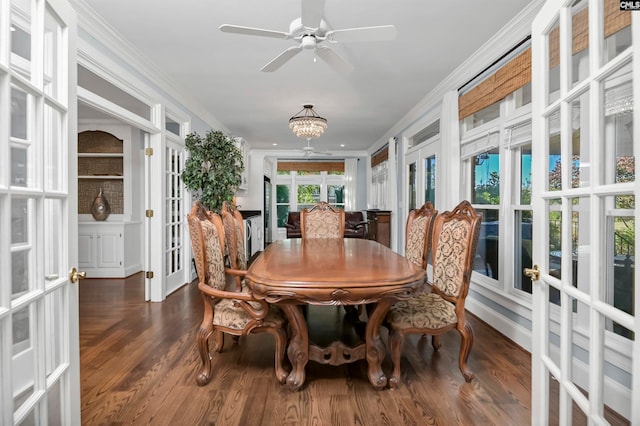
<point x="308" y="42"/>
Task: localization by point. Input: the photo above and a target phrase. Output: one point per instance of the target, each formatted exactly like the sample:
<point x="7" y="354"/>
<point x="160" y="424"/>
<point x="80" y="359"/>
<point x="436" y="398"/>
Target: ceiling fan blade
<point x="237" y="29"/>
<point x="335" y="61"/>
<point x="279" y="60"/>
<point x="312" y="11"/>
<point x="352" y="35"/>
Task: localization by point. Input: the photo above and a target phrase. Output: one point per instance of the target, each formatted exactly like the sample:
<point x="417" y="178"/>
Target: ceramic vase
<point x="100" y="208"/>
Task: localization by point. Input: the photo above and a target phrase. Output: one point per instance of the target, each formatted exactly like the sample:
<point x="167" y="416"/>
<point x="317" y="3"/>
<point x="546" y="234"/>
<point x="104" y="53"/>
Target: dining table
<point x="333" y="271"/>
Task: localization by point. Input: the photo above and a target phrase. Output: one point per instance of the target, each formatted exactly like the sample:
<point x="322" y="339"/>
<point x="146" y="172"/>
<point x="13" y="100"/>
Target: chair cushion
<point x="426" y="311"/>
<point x="227" y="314"/>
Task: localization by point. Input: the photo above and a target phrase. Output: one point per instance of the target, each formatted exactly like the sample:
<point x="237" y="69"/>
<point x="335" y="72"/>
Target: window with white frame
<point x="298" y="189"/>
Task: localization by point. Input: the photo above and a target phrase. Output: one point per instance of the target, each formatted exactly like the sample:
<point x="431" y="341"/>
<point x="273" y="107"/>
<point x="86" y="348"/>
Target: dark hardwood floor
<point x="139" y="362"/>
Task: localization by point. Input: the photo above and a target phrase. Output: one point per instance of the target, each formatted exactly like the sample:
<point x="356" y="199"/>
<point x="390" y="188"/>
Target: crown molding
<point x="511" y="34"/>
<point x="105" y="42"/>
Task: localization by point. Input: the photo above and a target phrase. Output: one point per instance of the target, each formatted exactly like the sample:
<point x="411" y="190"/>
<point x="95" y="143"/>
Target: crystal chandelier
<point x="307" y="124"/>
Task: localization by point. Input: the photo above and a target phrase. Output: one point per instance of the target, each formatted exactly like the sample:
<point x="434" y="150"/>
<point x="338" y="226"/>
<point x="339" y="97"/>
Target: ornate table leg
<point x="375" y="346"/>
<point x="298" y="350"/>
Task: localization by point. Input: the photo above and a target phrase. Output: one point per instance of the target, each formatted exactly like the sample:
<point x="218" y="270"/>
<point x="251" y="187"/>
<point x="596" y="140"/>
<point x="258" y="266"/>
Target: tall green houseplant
<point x="214" y="168"/>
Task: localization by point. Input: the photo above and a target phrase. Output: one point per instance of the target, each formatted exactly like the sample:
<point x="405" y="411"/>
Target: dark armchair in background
<point x="354" y="225"/>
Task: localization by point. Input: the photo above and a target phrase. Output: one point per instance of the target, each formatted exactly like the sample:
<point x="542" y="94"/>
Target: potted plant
<point x="213" y="169"/>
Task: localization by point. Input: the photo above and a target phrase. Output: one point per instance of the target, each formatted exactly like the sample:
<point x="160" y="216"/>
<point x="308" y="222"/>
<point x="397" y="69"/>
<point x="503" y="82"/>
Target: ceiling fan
<point x="311" y="31"/>
<point x="309" y="150"/>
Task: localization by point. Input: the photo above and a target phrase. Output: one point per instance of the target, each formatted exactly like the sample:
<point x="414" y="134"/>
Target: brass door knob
<point x="75" y="275"/>
<point x="533" y="273"/>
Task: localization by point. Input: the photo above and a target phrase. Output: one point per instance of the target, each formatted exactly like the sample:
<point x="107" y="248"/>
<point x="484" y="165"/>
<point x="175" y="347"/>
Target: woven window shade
<point x="381" y="155"/>
<point x="311" y="166"/>
<point x="512" y="76"/>
<point x="517" y="72"/>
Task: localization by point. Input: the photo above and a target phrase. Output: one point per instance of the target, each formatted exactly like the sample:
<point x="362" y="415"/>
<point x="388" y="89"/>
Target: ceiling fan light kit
<point x="307" y="124"/>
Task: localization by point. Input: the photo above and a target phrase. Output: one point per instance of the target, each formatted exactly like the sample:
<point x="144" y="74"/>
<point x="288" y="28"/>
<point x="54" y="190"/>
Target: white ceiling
<point x="222" y="70"/>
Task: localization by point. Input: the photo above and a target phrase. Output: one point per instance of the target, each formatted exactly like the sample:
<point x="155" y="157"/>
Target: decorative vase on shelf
<point x="100" y="208"/>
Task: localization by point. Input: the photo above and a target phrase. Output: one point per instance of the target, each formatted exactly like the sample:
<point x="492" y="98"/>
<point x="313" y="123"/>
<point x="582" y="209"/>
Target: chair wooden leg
<point x="218" y="341"/>
<point x="202" y="341"/>
<point x="395" y="344"/>
<point x="435" y="342"/>
<point x="204" y="333"/>
<point x="466" y="333"/>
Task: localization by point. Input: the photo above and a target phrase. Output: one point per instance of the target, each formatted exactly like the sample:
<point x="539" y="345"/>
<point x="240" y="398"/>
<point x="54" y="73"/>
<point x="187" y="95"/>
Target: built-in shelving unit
<point x="110" y="248"/>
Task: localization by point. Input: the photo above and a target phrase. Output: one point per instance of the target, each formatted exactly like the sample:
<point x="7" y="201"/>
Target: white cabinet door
<point x="86" y="250"/>
<point x="109" y="249"/>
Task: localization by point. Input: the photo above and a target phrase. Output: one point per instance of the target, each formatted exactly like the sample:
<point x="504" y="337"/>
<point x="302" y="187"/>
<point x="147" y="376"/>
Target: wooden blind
<point x="381" y="155"/>
<point x="311" y="166"/>
<point x="512" y="76"/>
<point x="517" y="72"/>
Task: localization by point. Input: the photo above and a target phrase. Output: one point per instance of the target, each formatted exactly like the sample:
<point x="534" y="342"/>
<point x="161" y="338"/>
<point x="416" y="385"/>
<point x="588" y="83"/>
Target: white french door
<point x="177" y="265"/>
<point x="420" y="178"/>
<point x="586" y="324"/>
<point x="39" y="353"/>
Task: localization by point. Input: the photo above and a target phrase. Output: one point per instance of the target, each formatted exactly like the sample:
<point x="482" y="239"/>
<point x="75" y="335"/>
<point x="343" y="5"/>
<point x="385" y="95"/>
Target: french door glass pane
<point x="580" y="250"/>
<point x="53" y="149"/>
<point x="23" y="354"/>
<point x="618" y="115"/>
<point x="52" y="50"/>
<point x="579" y="344"/>
<point x="580" y="142"/>
<point x="19" y="113"/>
<point x="413" y="184"/>
<point x="19" y="166"/>
<point x="555" y="157"/>
<point x="430" y="179"/>
<point x="21" y="41"/>
<point x="620" y="279"/>
<point x="580" y="49"/>
<point x="617" y="30"/>
<point x="53" y="239"/>
<point x="54" y="405"/>
<point x="20" y="261"/>
<point x="19" y="221"/>
<point x="554" y="64"/>
<point x="555" y="246"/>
<point x="54" y="331"/>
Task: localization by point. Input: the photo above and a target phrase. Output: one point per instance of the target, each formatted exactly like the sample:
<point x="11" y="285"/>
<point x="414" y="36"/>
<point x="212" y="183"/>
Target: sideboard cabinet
<point x="379" y="225"/>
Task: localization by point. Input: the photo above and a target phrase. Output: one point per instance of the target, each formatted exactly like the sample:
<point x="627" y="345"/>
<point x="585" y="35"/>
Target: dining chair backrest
<point x="455" y="240"/>
<point x="234" y="236"/>
<point x="322" y="221"/>
<point x="207" y="243"/>
<point x="418" y="234"/>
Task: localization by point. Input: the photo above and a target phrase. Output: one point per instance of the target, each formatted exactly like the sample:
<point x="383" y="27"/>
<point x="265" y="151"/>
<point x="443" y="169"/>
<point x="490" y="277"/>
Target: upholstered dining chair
<point x="418" y="234"/>
<point x="227" y="309"/>
<point x="455" y="240"/>
<point x="234" y="242"/>
<point x="322" y="221"/>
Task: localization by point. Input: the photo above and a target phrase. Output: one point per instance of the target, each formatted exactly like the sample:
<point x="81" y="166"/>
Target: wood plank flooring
<point x="139" y="362"/>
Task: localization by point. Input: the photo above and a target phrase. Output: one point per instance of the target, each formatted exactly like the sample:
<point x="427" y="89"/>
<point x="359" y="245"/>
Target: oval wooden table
<point x="347" y="271"/>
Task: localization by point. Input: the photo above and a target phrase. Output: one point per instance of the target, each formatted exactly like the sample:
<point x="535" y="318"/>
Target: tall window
<point x="298" y="189"/>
